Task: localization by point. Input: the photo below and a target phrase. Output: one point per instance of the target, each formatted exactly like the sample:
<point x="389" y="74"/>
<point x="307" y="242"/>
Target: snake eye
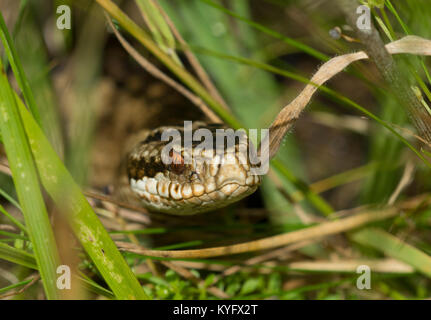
<point x="177" y="166"/>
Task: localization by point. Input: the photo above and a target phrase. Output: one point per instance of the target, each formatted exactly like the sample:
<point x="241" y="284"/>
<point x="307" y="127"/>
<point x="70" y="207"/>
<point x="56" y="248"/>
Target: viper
<point x="212" y="179"/>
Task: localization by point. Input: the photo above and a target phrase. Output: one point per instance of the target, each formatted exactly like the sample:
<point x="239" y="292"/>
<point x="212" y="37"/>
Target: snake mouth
<point x="180" y="201"/>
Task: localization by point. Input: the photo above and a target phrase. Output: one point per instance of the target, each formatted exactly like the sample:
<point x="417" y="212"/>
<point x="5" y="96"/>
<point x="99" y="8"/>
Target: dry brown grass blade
<point x="319" y="231"/>
<point x="383" y="265"/>
<point x="155" y="72"/>
<point x="17" y="292"/>
<point x="133" y="209"/>
<point x="274" y="254"/>
<point x="4" y="168"/>
<point x="290" y="113"/>
<point x="405" y="180"/>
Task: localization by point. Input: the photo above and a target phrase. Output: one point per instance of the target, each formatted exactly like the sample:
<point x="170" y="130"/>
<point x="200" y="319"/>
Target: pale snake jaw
<point x="196" y="187"/>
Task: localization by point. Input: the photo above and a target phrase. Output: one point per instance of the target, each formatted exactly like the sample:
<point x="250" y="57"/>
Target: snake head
<point x="195" y="180"/>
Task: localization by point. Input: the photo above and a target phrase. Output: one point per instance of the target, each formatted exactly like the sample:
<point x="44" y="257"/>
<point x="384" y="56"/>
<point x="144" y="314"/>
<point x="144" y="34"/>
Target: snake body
<point x="188" y="188"/>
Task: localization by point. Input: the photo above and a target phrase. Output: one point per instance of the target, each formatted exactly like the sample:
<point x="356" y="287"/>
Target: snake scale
<point x="212" y="180"/>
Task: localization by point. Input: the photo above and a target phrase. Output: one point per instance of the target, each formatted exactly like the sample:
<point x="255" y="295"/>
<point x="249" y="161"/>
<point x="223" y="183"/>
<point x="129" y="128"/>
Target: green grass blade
<point x="314" y="198"/>
<point x="394" y="247"/>
<point x="18" y="69"/>
<point x="67" y="195"/>
<point x="395" y="13"/>
<point x="12" y="235"/>
<point x="15" y="285"/>
<point x="93" y="286"/>
<point x="9" y="198"/>
<point x="34" y="58"/>
<point x="28" y="189"/>
<point x="17" y="256"/>
<point x="25" y="259"/>
<point x="102" y="250"/>
<point x="14" y="220"/>
<point x="384" y="148"/>
<point x="159" y="28"/>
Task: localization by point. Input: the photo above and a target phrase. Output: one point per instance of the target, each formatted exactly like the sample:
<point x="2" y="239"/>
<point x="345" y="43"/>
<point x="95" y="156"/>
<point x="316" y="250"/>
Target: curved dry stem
<point x="319" y="231"/>
<point x="155" y="72"/>
<point x="290" y="113"/>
